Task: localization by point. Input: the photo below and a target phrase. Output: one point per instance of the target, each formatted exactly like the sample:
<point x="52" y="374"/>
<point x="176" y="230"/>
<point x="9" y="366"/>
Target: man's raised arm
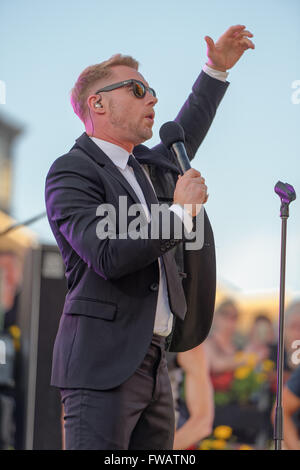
<point x="198" y="112"/>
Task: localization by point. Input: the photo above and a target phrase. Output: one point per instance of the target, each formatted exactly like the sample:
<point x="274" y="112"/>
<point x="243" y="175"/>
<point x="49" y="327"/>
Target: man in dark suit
<point x="130" y="298"/>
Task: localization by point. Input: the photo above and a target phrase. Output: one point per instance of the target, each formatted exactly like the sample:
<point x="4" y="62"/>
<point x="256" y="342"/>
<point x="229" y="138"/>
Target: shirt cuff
<point x="218" y="74"/>
<point x="183" y="214"/>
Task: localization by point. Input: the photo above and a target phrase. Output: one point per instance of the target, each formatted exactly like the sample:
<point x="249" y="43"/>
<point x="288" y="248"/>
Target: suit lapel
<point x="93" y="151"/>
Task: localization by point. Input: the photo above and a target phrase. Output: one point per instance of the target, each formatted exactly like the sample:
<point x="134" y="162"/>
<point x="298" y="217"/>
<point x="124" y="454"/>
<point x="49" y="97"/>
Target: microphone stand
<point x="287" y="194"/>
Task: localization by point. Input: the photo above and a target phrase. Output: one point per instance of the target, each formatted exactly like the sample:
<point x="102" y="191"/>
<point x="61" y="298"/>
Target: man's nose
<point x="151" y="99"/>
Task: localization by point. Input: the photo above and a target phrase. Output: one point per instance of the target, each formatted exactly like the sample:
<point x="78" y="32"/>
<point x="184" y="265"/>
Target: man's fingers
<point x="192" y="173"/>
<point x="245" y="34"/>
<point x="198" y="180"/>
<point x="205" y="200"/>
<point x="194" y="176"/>
<point x="247" y="44"/>
<point x="199" y="185"/>
<point x="210" y="43"/>
<point x="235" y="29"/>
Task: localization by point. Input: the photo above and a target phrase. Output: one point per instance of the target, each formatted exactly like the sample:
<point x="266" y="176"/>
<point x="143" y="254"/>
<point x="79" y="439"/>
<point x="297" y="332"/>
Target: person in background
<point x="11" y="273"/>
<point x="11" y="267"/>
<point x="261" y="337"/>
<point x="291" y="334"/>
<point x="291" y="411"/>
<point x="220" y="345"/>
<point x="193" y="397"/>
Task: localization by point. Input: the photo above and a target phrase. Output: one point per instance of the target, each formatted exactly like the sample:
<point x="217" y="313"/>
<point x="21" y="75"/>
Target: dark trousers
<point x="137" y="415"/>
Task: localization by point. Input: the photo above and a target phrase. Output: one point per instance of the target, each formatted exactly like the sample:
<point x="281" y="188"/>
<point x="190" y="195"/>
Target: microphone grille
<point x="171" y="132"/>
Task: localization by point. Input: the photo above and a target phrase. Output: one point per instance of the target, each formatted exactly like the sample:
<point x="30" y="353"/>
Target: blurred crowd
<point x="225" y="389"/>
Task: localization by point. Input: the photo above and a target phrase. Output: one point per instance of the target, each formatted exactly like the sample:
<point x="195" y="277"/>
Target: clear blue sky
<point x="253" y="142"/>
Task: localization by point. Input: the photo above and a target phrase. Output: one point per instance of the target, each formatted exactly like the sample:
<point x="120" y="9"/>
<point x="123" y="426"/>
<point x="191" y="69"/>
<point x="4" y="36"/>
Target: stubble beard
<point x="131" y="131"/>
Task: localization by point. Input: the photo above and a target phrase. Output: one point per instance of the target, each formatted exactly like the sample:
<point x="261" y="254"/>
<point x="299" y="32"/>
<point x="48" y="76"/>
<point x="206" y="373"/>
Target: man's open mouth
<point x="150" y="116"/>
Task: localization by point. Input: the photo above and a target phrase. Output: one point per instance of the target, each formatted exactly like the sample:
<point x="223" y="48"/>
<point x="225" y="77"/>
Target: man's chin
<point x="145" y="136"/>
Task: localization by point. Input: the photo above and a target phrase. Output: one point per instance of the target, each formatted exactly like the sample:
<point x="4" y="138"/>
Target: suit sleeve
<point x="198" y="112"/>
<point x="73" y="193"/>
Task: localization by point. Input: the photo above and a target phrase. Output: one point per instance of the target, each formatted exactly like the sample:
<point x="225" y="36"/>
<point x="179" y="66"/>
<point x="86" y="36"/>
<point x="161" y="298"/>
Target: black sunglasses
<point x="138" y="88"/>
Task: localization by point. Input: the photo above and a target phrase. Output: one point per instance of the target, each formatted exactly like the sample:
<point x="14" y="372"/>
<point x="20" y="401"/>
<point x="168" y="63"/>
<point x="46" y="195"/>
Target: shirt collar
<point x="118" y="155"/>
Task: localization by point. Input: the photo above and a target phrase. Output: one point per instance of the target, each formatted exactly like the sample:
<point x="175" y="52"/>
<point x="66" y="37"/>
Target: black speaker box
<point x="39" y="411"/>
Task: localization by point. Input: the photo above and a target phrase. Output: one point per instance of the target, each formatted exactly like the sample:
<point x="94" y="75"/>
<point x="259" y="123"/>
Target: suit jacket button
<point x="154" y="286"/>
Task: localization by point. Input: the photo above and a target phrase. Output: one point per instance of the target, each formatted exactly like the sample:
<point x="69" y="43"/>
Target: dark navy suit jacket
<point x="108" y="317"/>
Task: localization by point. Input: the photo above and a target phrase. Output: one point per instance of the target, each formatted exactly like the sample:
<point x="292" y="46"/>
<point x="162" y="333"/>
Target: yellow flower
<point x="218" y="444"/>
<point x="245" y="447"/>
<point x="239" y="356"/>
<point x="223" y="432"/>
<point x="261" y="377"/>
<point x="206" y="444"/>
<point x="16" y="335"/>
<point x="251" y="359"/>
<point x="15" y="331"/>
<point x="242" y="372"/>
<point x="268" y="365"/>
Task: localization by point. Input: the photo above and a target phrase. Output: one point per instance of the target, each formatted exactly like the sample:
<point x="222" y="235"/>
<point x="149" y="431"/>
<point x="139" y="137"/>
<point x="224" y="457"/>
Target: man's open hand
<point x="223" y="54"/>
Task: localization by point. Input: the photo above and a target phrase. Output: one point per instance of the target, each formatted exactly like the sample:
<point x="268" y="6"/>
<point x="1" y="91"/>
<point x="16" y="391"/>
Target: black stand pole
<point x="287" y="194"/>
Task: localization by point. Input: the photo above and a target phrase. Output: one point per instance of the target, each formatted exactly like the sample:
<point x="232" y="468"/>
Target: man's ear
<point x="94" y="103"/>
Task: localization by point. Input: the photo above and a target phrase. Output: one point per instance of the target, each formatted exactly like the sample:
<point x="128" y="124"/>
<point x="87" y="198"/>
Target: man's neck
<point x="124" y="145"/>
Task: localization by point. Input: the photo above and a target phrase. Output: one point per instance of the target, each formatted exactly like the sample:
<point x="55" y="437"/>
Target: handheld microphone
<point x="172" y="136"/>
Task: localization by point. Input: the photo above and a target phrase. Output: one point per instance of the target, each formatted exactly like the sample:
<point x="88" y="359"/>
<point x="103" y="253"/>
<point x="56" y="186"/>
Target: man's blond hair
<point x="90" y="76"/>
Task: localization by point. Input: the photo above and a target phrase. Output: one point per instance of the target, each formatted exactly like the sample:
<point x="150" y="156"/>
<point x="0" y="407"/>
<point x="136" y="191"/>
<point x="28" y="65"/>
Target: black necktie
<point x="149" y="194"/>
<point x="175" y="289"/>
